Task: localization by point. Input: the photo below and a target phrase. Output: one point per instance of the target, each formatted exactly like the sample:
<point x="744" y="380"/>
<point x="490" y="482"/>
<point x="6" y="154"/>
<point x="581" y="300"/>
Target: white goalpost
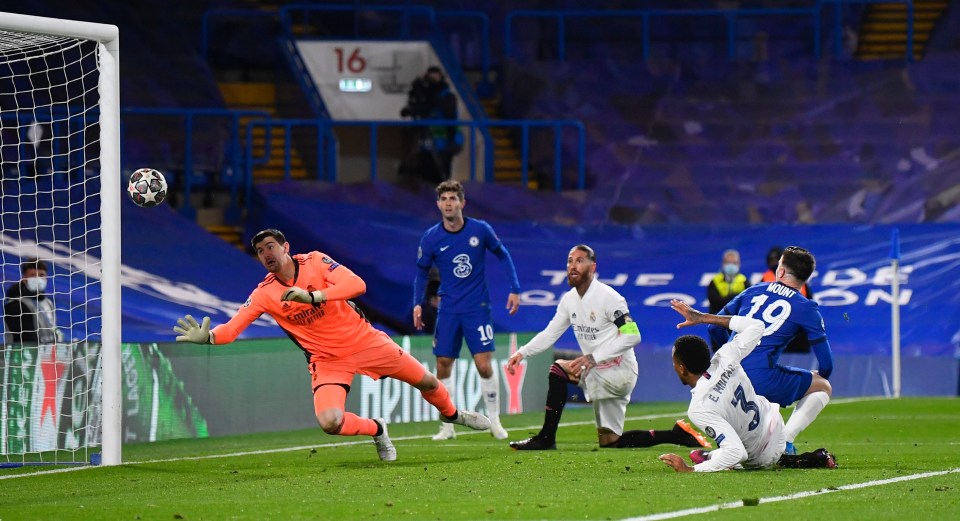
<point x="60" y="366"/>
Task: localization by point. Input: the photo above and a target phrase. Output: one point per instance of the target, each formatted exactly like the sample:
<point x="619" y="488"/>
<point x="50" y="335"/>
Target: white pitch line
<point x="347" y="443"/>
<point x="798" y="495"/>
<point x="317" y="446"/>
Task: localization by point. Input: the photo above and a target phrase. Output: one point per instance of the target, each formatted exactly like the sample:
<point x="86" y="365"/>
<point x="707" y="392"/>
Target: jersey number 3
<point x="748" y="406"/>
<point x="775" y="314"/>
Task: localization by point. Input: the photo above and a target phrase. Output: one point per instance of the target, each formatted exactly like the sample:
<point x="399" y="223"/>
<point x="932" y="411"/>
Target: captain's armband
<point x="625" y="324"/>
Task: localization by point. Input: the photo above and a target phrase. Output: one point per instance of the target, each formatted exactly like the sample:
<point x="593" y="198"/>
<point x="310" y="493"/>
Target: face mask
<point x="730" y="269"/>
<point x="37" y="284"/>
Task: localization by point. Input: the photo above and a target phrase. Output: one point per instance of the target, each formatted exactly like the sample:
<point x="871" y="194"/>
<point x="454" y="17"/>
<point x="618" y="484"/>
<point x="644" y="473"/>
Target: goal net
<point x="59" y="245"/>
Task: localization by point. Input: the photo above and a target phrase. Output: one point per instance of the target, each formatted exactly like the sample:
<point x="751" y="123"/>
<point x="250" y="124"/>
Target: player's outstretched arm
<point x="191" y="331"/>
<point x="693" y="317"/>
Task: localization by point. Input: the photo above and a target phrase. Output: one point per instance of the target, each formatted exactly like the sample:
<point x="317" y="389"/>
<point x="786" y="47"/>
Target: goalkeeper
<point x="307" y="294"/>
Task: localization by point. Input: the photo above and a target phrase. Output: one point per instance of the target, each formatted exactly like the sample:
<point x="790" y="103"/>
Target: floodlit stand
<point x="108" y="87"/>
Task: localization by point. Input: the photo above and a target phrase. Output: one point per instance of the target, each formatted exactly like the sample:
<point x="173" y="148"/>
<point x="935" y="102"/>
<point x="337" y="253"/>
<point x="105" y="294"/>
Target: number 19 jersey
<point x="785" y="313"/>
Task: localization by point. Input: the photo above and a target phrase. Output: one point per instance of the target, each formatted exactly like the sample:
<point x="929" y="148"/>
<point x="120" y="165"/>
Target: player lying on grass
<point x="747" y="428"/>
<point x="307" y="294"/>
<point x="607" y="370"/>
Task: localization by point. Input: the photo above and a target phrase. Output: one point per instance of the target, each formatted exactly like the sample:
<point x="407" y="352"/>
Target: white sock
<point x="449" y="383"/>
<point x="490" y="388"/>
<point x="804" y="413"/>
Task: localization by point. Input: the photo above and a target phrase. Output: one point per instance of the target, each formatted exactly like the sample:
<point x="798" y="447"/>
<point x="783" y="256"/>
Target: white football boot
<point x="446" y="432"/>
<point x="385" y="448"/>
<point x="497" y="430"/>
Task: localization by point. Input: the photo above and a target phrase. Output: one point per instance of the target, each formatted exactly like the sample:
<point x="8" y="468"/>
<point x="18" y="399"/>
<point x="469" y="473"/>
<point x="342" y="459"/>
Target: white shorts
<point x="776" y="443"/>
<point x="608" y="387"/>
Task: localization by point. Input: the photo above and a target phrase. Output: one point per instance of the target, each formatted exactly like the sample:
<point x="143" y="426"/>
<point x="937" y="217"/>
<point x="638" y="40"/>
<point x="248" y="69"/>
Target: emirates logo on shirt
<point x="307" y="316"/>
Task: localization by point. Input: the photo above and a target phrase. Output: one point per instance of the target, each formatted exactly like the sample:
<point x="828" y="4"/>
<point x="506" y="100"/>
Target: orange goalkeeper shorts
<point x="376" y="361"/>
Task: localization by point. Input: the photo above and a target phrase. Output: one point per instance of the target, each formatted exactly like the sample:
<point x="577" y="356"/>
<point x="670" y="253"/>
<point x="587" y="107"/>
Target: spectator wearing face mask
<point x="28" y="311"/>
<point x="728" y="283"/>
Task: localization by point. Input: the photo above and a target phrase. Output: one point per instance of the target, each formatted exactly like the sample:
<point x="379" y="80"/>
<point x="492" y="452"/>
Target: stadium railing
<point x="190" y="175"/>
<point x="838" y="21"/>
<point x="326" y="173"/>
<point x="730" y="16"/>
<point x="240" y="160"/>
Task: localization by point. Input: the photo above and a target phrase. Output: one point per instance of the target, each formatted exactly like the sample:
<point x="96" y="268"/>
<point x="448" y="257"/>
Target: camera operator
<point x="430" y="97"/>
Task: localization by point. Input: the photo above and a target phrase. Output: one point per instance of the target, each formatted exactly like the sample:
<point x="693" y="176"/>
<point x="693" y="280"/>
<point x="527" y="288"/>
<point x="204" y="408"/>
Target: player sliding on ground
<point x="748" y="429"/>
<point x="307" y="294"/>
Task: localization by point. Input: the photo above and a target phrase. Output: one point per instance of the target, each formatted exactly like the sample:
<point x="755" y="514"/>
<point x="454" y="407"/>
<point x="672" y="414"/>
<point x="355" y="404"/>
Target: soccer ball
<point x="147" y="187"/>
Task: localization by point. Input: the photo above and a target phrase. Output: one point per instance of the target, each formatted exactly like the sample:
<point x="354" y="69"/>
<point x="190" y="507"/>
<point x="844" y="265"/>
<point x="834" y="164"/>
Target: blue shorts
<point x="779" y="384"/>
<point x="453" y="328"/>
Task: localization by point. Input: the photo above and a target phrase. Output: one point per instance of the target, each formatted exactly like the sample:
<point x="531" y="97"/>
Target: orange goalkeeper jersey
<point x="323" y="331"/>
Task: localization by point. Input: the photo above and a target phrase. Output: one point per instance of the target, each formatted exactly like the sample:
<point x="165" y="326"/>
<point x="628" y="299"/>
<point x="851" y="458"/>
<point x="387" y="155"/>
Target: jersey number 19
<point x="774" y="314"/>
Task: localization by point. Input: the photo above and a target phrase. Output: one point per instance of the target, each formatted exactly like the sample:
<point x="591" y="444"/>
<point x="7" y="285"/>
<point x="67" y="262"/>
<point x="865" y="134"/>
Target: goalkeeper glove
<point x="303" y="296"/>
<point x="190" y="331"/>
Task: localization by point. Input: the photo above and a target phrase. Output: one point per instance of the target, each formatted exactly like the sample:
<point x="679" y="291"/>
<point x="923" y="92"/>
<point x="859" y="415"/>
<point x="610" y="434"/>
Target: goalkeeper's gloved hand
<point x="303" y="296"/>
<point x="190" y="331"/>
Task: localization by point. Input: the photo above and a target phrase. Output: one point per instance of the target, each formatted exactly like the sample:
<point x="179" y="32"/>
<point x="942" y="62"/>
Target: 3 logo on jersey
<point x="462" y="267"/>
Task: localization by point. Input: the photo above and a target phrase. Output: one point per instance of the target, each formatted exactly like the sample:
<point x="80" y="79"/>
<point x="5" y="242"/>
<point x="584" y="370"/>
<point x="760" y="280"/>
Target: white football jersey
<point x="748" y="429"/>
<point x="593" y="319"/>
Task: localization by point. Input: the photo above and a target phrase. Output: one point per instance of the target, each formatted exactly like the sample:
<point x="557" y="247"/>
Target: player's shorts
<point x="381" y="358"/>
<point x="779" y="384"/>
<point x="776" y="443"/>
<point x="608" y="387"/>
<point x="453" y="328"/>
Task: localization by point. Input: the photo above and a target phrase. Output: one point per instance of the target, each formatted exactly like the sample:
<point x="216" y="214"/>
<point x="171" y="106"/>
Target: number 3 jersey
<point x="748" y="429"/>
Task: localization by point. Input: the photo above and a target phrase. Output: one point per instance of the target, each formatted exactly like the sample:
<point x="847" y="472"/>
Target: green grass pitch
<point x="310" y="475"/>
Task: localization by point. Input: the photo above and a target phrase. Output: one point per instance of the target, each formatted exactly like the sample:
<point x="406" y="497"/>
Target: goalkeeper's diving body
<point x="307" y="294"/>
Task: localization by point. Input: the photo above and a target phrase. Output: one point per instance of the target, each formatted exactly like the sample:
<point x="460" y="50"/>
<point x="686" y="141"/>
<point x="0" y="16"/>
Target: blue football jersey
<point x="786" y="313"/>
<point x="461" y="259"/>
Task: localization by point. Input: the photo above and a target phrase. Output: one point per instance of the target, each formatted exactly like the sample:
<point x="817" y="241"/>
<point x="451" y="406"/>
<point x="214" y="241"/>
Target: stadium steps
<point x="883" y="34"/>
<point x="257" y="96"/>
<point x="230" y="234"/>
<point x="262" y="96"/>
<point x="507" y="162"/>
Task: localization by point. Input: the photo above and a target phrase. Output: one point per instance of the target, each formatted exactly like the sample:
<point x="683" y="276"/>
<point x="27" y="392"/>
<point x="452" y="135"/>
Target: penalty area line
<point x="364" y="441"/>
<point x="788" y="497"/>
